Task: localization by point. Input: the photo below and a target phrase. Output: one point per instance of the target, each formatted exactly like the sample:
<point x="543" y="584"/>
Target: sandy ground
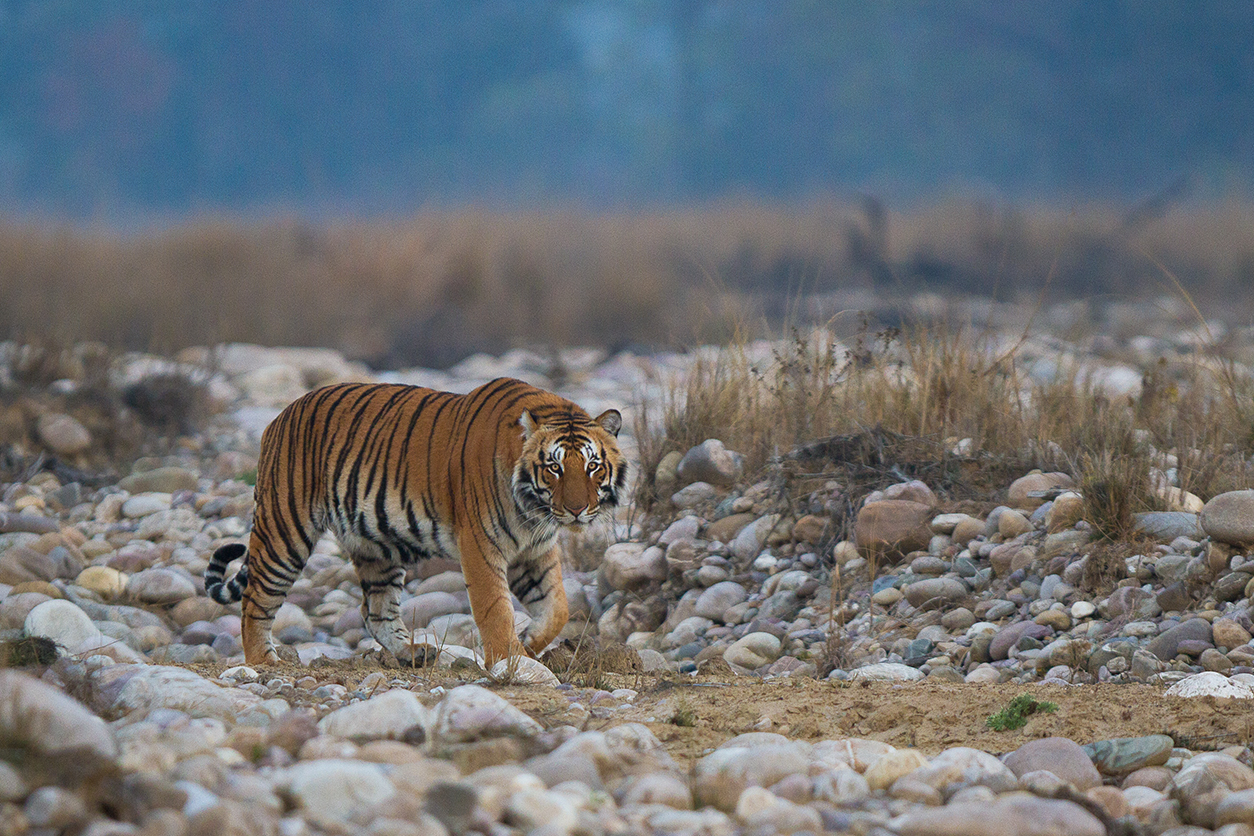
<point x="929" y="716"/>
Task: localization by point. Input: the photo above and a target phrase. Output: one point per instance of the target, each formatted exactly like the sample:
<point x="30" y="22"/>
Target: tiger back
<point x="401" y="474"/>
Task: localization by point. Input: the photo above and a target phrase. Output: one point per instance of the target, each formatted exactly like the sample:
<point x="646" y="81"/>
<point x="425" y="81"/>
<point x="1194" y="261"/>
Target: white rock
<point x="387" y="715"/>
<point x="523" y="670"/>
<point x="633" y="565"/>
<point x="143" y="504"/>
<point x="139" y="689"/>
<point x="470" y="712"/>
<point x="886" y="671"/>
<point x="1210" y="684"/>
<point x="63" y="623"/>
<point x="333" y="789"/>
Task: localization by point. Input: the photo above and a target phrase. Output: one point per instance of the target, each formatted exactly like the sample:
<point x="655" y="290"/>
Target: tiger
<point x="401" y="474"/>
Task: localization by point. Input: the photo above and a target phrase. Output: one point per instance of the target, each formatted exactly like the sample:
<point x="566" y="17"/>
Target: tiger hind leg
<point x="269" y="579"/>
<point x="381" y="583"/>
<point x="538" y="585"/>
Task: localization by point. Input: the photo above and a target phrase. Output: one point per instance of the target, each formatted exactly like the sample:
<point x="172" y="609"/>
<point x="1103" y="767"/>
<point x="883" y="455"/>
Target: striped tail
<point x="216" y="585"/>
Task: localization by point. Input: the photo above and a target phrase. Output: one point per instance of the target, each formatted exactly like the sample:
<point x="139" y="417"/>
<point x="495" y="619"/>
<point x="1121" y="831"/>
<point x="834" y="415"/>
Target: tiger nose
<point x="576" y="511"/>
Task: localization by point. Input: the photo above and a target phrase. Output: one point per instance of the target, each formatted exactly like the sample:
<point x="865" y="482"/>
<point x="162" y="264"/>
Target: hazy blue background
<point x="132" y="109"/>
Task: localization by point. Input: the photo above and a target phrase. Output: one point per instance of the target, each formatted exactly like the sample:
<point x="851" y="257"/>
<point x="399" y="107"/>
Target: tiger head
<point x="571" y="471"/>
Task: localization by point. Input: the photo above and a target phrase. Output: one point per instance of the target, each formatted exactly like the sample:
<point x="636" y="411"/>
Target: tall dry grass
<point x="959" y="399"/>
<point x="443" y="284"/>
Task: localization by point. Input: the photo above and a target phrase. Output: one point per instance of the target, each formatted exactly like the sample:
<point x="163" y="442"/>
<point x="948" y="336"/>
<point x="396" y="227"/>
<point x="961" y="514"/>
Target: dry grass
<point x="956" y="408"/>
<point x="436" y="287"/>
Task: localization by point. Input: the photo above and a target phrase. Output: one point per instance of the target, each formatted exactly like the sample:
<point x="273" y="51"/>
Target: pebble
<point x="1229" y="517"/>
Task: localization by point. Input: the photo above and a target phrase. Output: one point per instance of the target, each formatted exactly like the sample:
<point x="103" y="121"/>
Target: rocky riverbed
<point x="734" y="665"/>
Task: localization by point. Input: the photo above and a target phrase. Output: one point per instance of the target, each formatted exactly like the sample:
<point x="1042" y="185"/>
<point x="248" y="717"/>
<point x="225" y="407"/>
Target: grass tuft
<point x="1015" y="714"/>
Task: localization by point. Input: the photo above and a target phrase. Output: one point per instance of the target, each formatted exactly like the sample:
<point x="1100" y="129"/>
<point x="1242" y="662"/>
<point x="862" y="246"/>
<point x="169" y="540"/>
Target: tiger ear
<point x="528" y="424"/>
<point x="611" y="420"/>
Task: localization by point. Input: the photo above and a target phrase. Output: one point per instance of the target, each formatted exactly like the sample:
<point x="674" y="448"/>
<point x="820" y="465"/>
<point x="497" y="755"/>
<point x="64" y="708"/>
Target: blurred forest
<point x="141" y="109"/>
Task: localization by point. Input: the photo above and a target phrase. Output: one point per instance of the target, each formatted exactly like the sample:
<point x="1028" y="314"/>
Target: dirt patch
<point x="929" y="716"/>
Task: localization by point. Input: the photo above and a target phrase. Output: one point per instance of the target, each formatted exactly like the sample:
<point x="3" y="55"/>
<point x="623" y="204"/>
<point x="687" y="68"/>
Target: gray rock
<point x="710" y="462"/>
<point x="715" y="601"/>
<point x="391" y="715"/>
<point x="1010" y="636"/>
<point x="695" y="495"/>
<point x="935" y="589"/>
<point x="1210" y="684"/>
<point x="630" y="566"/>
<point x="419" y="610"/>
<point x="1166" y="526"/>
<point x="141" y="505"/>
<point x="1009" y="816"/>
<point x="1122" y="755"/>
<point x="963" y="766"/>
<point x="721" y="776"/>
<point x="1167" y="645"/>
<point x="753" y="651"/>
<point x="1058" y="755"/>
<point x="1229" y="517"/>
<point x="63" y="434"/>
<point x="684" y="528"/>
<point x="160" y="586"/>
<point x="160" y="480"/>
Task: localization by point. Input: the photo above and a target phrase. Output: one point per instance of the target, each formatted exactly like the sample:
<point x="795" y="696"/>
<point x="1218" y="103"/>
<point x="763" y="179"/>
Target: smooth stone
<point x="715" y="601"/>
<point x="655" y="788"/>
<point x="892" y="527"/>
<point x="160" y="586"/>
<point x="1227" y="632"/>
<point x="390" y="715"/>
<point x="1122" y="755"/>
<point x="332" y="789"/>
<point x="63" y="623"/>
<point x="753" y="650"/>
<point x="1204" y="781"/>
<point x="1167" y="644"/>
<point x="1011" y="524"/>
<point x="886" y="672"/>
<point x="941" y="590"/>
<point x="710" y="461"/>
<point x="160" y="480"/>
<point x="964" y="766"/>
<point x="1166" y="526"/>
<point x="749" y="540"/>
<point x="63" y="434"/>
<point x="37" y="716"/>
<point x="630" y="566"/>
<point x="1229" y="517"/>
<point x="1013" y="815"/>
<point x="720" y="777"/>
<point x="523" y="670"/>
<point x="418" y="611"/>
<point x="141" y="505"/>
<point x="725" y="530"/>
<point x="890" y="766"/>
<point x="471" y="712"/>
<point x="1235" y="808"/>
<point x="139" y="690"/>
<point x="105" y="582"/>
<point x="684" y="528"/>
<point x="1009" y="636"/>
<point x="1017" y="494"/>
<point x="695" y="495"/>
<point x="1063" y="757"/>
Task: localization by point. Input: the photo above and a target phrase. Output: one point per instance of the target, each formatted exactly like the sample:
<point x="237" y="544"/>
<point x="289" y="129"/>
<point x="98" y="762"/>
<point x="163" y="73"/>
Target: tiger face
<point x="571" y="471"/>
